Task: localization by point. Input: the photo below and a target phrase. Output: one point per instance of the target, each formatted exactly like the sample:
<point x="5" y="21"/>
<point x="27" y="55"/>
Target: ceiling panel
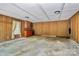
<point x="9" y="14"/>
<point x="67" y="14"/>
<point x="71" y="6"/>
<point x="69" y="10"/>
<point x="39" y="12"/>
<point x="11" y="9"/>
<point x="51" y="8"/>
<point x="33" y="9"/>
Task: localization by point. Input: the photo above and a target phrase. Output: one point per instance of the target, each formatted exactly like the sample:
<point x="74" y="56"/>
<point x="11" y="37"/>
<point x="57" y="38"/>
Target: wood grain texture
<point x="62" y="28"/>
<point x="75" y="27"/>
<point x="5" y="27"/>
<point x="54" y="28"/>
<point x="78" y="27"/>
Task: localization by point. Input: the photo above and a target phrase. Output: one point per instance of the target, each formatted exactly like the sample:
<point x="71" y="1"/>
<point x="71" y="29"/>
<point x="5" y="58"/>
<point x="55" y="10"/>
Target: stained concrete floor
<point x="39" y="46"/>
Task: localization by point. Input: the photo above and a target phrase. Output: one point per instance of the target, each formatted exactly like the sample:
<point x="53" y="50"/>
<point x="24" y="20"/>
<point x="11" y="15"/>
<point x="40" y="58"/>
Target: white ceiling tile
<point x="9" y="14"/>
<point x="33" y="9"/>
<point x="68" y="14"/>
<point x="15" y="11"/>
<point x="37" y="14"/>
<point x="51" y="8"/>
<point x="71" y="6"/>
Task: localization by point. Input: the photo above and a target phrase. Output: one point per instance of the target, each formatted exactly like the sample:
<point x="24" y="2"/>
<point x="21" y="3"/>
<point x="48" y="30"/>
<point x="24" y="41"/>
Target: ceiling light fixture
<point x="26" y="17"/>
<point x="57" y="12"/>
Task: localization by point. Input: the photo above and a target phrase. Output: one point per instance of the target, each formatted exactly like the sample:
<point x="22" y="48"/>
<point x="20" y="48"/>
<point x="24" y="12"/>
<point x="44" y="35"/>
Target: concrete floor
<point x="40" y="46"/>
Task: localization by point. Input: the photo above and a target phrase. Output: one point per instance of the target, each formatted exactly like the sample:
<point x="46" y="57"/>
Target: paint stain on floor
<point x="39" y="46"/>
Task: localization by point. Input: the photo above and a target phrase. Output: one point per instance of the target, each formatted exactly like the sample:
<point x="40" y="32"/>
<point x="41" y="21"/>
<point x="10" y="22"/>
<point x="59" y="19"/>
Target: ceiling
<point x="37" y="12"/>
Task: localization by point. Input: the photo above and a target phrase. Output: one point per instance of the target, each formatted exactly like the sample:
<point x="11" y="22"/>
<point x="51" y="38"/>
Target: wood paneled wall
<point x="54" y="28"/>
<point x="63" y="28"/>
<point x="75" y="27"/>
<point x="6" y="24"/>
<point x="5" y="27"/>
